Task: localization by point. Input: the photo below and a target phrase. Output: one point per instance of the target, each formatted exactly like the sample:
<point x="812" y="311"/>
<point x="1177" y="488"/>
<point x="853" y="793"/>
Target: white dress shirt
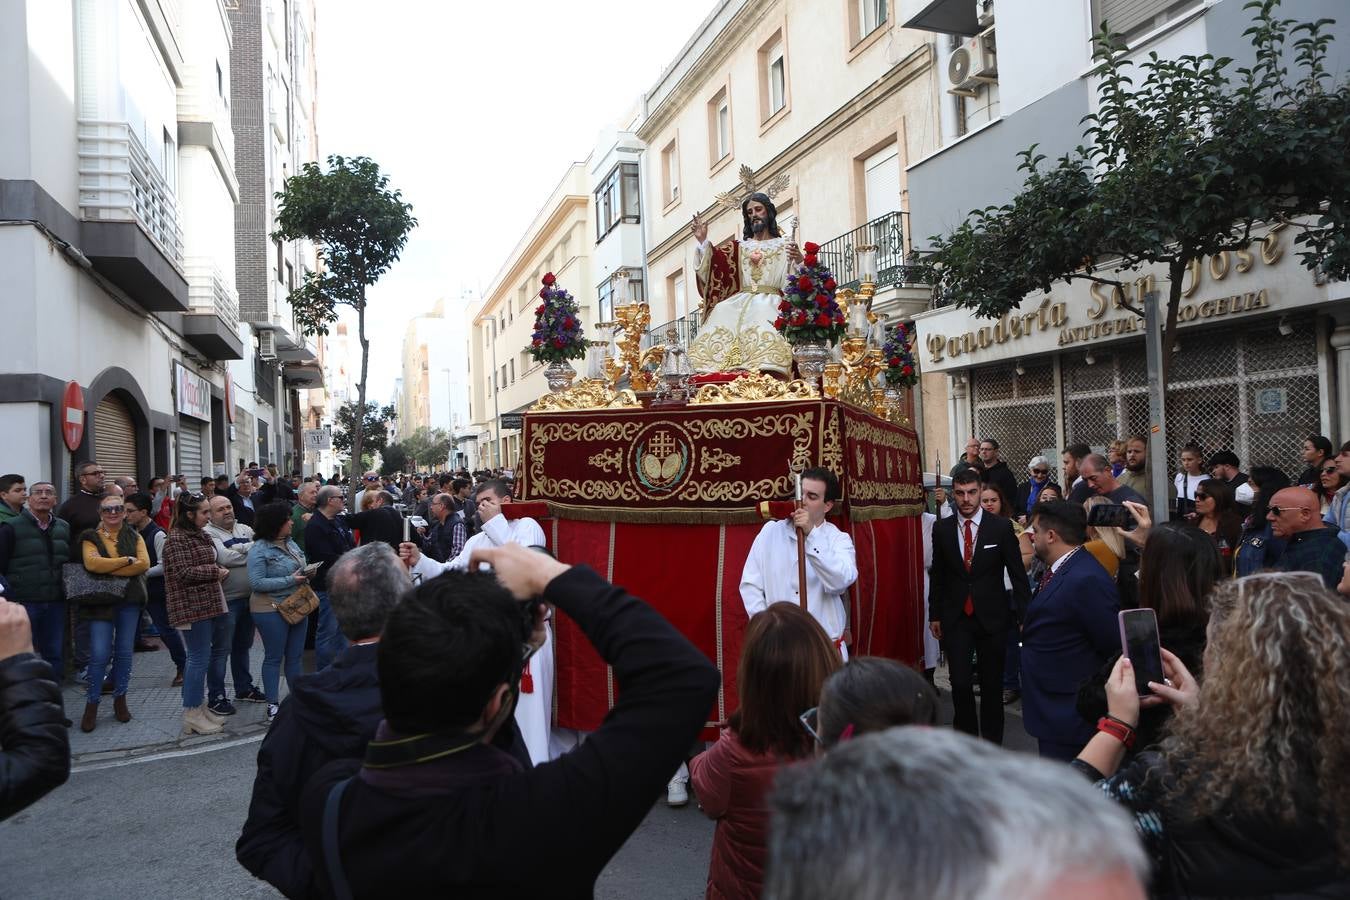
<point x="770" y="574"/>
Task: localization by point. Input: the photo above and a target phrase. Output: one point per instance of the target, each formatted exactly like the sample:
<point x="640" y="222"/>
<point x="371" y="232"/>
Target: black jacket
<point x="996" y="552"/>
<point x="34" y="743"/>
<point x="1001" y="475"/>
<point x="325" y="540"/>
<point x="383" y="523"/>
<point x="329" y="715"/>
<point x="478" y="824"/>
<point x="1317" y="550"/>
<point x="243" y="514"/>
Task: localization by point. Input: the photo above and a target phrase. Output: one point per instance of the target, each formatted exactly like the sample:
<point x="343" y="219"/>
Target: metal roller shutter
<point x="114" y="438"/>
<point x="190" y="450"/>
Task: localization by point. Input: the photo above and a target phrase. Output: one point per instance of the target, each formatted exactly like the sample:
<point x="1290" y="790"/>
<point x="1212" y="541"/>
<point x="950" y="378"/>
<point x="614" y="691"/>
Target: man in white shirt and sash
<point x="534" y="708"/>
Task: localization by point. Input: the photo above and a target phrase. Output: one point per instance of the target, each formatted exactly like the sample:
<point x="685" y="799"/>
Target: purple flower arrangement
<point x="557" y="325"/>
<point x="898" y="351"/>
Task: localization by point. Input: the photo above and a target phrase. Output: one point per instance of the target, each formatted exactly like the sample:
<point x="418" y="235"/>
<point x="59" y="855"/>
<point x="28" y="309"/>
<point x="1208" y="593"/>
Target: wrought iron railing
<point x="686" y="327"/>
<point x="886" y="233"/>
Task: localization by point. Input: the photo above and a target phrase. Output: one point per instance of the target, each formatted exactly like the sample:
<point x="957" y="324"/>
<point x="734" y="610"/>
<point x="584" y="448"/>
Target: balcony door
<point x="881" y="182"/>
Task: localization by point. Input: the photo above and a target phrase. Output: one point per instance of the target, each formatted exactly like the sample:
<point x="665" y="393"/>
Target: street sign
<point x="72" y="416"/>
<point x="318" y="439"/>
<point x="514" y="421"/>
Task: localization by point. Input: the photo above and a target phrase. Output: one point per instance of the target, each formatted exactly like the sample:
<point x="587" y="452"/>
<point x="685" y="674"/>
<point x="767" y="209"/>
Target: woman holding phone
<point x="1250" y="794"/>
<point x="276" y="567"/>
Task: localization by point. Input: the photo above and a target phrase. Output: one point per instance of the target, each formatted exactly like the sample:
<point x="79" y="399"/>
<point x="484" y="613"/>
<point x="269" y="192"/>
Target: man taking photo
<point x="438" y="808"/>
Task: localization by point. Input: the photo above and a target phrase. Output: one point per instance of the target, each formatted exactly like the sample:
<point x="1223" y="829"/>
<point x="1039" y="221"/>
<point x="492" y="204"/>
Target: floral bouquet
<point x="557" y="325"/>
<point x="808" y="311"/>
<point x="898" y="351"/>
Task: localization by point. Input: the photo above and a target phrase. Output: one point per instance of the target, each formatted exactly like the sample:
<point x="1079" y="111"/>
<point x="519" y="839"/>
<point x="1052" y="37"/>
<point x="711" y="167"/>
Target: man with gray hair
<point x="327" y="538"/>
<point x="331" y="714"/>
<point x="927" y="812"/>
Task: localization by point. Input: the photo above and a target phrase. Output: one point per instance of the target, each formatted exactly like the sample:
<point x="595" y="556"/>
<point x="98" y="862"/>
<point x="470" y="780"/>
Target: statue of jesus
<point x="741" y="283"/>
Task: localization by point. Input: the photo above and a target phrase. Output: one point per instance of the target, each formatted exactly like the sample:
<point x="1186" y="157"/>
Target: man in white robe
<point x="534" y="708"/>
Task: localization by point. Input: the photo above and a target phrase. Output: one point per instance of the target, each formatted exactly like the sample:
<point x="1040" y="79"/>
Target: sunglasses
<point x="810" y="721"/>
<point x="1040" y="471"/>
<point x="111" y="510"/>
<point x="1281" y="510"/>
<point x="1329" y="470"/>
<point x="1200" y="496"/>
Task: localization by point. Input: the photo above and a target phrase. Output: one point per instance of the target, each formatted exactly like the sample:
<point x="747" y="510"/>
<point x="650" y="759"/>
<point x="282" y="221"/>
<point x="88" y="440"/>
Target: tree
<point x="393" y="459"/>
<point x="359" y="227"/>
<point x="426" y="447"/>
<point x="372" y="437"/>
<point x="1188" y="164"/>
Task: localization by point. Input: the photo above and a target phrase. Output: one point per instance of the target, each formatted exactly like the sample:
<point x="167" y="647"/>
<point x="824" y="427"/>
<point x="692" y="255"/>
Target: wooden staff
<point x="801" y="550"/>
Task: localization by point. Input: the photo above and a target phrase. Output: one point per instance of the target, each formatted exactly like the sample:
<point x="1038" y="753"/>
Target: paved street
<point x="160" y="820"/>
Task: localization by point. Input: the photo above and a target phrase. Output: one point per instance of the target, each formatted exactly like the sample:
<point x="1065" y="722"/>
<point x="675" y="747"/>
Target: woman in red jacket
<point x="196" y="604"/>
<point x="784" y="662"/>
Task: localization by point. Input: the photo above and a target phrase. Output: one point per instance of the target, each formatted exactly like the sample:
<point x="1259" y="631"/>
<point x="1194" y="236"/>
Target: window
<point x="670" y="173"/>
<point x="772" y="77"/>
<point x="277" y="271"/>
<point x="170" y="162"/>
<point x="290" y="279"/>
<point x="503" y="374"/>
<point x="220" y="82"/>
<point x="1132" y="17"/>
<point x="605" y="293"/>
<point x="616" y="200"/>
<point x="719" y="127"/>
<point x="511" y="363"/>
<point x="675" y="294"/>
<point x="871" y="16"/>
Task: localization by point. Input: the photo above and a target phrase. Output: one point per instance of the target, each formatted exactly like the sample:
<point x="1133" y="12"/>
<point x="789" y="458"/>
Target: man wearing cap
<point x="1223" y="466"/>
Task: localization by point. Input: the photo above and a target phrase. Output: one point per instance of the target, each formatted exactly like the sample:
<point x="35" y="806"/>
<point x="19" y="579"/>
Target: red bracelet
<point x="1118" y="730"/>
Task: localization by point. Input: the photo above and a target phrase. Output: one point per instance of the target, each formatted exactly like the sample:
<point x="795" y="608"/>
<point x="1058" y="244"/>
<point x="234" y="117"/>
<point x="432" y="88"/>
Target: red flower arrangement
<point x="557" y="325"/>
<point x="808" y="311"/>
<point x="902" y="369"/>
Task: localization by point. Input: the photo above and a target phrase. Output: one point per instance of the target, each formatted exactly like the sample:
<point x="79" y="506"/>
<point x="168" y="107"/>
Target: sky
<point x="475" y="111"/>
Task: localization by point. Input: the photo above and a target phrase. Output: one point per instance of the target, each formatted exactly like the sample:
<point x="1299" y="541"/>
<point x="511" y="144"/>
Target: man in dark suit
<point x="968" y="607"/>
<point x="1069" y="630"/>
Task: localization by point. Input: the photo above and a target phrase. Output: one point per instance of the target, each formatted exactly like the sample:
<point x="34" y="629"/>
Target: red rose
<point x="539" y="310"/>
<point x="784" y="306"/>
<point x="805" y="283"/>
<point x="778" y="323"/>
<point x="810" y="248"/>
<point x="823" y="320"/>
<point x="559" y="343"/>
<point x="799" y="318"/>
<point x="908" y="370"/>
<point x="569" y="322"/>
<point x="830" y="284"/>
<point x="822" y="301"/>
<point x="549" y="279"/>
<point x="811" y="260"/>
<point x="537" y="342"/>
<point x="839" y="318"/>
<point x="543" y="293"/>
<point x="895" y="360"/>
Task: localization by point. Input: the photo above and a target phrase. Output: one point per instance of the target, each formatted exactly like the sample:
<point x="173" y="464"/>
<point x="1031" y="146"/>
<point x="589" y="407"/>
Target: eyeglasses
<point x="92" y="473"/>
<point x="810" y="721"/>
<point x="1329" y="470"/>
<point x="1040" y="471"/>
<point x="111" y="510"/>
<point x="196" y="497"/>
<point x="1281" y="510"/>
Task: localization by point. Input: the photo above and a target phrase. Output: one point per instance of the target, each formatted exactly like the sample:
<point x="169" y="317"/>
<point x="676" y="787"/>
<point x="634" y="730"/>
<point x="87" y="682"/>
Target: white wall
<point x="1042" y="45"/>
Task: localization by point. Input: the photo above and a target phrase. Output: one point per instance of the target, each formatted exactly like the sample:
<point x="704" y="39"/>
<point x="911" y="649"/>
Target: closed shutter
<point x="190" y="450"/>
<point x="882" y="182"/>
<point x="1124" y="16"/>
<point x="114" y="438"/>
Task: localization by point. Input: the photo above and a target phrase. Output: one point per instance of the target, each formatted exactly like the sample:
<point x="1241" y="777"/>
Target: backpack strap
<point x="332" y="854"/>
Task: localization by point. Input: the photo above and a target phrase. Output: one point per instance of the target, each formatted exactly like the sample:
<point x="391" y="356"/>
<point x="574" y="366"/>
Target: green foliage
<point x="393" y="459"/>
<point x="374" y="435"/>
<point x="426" y="447"/>
<point x="1184" y="164"/>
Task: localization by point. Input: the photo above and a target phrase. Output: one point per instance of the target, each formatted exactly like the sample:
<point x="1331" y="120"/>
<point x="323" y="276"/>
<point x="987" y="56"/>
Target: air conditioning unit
<point x="984" y="13"/>
<point x="972" y="64"/>
<point x="267" y="345"/>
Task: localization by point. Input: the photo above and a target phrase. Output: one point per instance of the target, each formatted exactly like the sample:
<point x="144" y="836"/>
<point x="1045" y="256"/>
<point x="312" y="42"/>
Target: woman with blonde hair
<point x="1107" y="545"/>
<point x="1250" y="793"/>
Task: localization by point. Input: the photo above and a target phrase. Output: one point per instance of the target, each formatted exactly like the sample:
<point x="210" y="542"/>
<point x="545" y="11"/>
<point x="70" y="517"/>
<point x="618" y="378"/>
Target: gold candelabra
<point x="633" y="320"/>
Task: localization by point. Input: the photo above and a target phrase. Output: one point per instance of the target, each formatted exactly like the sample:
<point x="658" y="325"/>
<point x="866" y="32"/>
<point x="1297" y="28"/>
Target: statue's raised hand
<point x="699" y="229"/>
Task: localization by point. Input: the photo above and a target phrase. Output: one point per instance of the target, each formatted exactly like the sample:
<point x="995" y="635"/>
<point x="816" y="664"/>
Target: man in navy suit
<point x="975" y="558"/>
<point x="1069" y="630"/>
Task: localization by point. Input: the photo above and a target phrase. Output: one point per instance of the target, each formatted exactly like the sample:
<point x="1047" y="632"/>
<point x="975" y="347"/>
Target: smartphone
<point x="1139" y="642"/>
<point x="417" y="521"/>
<point x="1110" y="515"/>
<point x="311" y="568"/>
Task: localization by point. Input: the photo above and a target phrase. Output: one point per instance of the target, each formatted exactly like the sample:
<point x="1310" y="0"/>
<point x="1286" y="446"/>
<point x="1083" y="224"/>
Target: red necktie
<point x="969" y="608"/>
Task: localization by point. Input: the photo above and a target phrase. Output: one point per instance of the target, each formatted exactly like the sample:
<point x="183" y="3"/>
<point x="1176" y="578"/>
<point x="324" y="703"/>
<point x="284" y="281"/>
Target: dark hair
<point x="445" y="649"/>
<point x="785" y="660"/>
<point x="457" y="484"/>
<point x="498" y="486"/>
<point x="270" y="518"/>
<point x="1322" y="491"/>
<point x="1267" y="480"/>
<point x="872" y="693"/>
<point x="1178" y="568"/>
<point x="968" y="475"/>
<point x="1193" y="447"/>
<point x="771" y="225"/>
<point x="207" y="479"/>
<point x="81" y="468"/>
<point x="1225" y="506"/>
<point x="182" y="512"/>
<point x="1321" y="443"/>
<point x="141" y="500"/>
<point x="1068" y="520"/>
<point x="1004" y="505"/>
<point x="8" y="481"/>
<point x="990" y="441"/>
<point x="1223" y="458"/>
<point x="1077" y="451"/>
<point x="1345" y="448"/>
<point x="1052" y="486"/>
<point x="831" y="481"/>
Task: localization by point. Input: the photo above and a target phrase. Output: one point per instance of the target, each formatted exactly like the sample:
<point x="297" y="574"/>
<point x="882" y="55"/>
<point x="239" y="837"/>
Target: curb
<point x="197" y="743"/>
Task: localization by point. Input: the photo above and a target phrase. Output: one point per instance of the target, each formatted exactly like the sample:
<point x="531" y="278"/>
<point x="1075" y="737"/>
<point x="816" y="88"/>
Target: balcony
<point x="130" y="228"/>
<point x="686" y="328"/>
<point x="886" y="233"/>
<point x="212" y="323"/>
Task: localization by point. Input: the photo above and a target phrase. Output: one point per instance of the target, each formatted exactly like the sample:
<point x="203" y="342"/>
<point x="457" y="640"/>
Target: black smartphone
<point x="1110" y="515"/>
<point x="1139" y="642"/>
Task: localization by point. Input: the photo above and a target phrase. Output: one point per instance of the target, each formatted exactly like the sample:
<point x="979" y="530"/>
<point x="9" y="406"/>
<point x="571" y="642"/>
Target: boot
<point x="177" y="679"/>
<point x="196" y="723"/>
<point x="120" y="710"/>
<point x="90" y="720"/>
<point x="211" y="716"/>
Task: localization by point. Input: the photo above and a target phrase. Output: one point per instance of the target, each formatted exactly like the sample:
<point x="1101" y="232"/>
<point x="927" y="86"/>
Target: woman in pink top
<point x="784" y="663"/>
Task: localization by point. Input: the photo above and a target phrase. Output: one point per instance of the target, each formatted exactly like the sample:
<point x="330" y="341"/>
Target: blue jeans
<point x="281" y="641"/>
<point x="328" y="642"/>
<point x="49" y="632"/>
<point x="241" y="641"/>
<point x="200" y="641"/>
<point x="168" y="635"/>
<point x="115" y="639"/>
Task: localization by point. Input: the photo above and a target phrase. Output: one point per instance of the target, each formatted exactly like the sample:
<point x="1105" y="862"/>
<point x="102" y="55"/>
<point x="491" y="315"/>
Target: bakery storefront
<point x="1260" y="346"/>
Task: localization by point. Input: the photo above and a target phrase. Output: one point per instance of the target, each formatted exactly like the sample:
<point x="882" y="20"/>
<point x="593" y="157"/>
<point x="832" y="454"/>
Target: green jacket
<point x="7" y="513"/>
<point x="298" y="514"/>
<point x="34" y="569"/>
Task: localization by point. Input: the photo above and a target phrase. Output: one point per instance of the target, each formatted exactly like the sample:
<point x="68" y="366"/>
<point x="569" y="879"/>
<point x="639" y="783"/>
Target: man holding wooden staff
<point x="773" y="570"/>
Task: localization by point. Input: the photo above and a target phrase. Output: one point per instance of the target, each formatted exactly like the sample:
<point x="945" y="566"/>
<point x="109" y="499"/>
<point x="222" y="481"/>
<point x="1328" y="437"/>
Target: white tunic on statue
<point x="739" y="332"/>
<point x="770" y="574"/>
<point x="534" y="711"/>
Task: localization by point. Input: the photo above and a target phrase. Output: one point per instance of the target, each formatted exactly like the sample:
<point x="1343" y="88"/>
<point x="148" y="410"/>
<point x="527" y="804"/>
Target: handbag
<point x="298" y="604"/>
<point x="89" y="589"/>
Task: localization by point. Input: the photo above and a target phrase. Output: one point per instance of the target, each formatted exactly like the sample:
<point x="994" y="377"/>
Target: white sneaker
<point x="677" y="794"/>
<point x="271" y="712"/>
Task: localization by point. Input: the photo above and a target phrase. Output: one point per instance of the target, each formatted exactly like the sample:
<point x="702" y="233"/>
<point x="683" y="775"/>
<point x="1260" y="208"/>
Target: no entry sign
<point x="72" y="416"/>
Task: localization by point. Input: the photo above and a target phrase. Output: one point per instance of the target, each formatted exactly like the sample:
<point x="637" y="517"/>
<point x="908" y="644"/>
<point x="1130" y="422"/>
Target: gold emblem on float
<point x="662" y="458"/>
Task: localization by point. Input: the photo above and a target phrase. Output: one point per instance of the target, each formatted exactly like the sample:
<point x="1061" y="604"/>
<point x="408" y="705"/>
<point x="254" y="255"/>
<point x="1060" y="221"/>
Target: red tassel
<point x="526" y="680"/>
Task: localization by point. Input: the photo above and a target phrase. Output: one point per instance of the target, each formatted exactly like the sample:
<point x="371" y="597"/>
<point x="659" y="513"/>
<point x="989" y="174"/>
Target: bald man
<point x="1313" y="546"/>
